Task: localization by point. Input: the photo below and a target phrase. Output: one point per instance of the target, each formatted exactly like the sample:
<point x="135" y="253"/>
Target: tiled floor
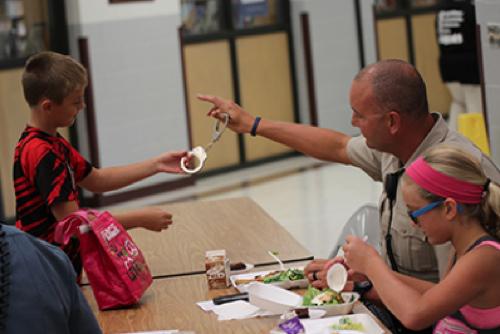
<point x="311" y="199"/>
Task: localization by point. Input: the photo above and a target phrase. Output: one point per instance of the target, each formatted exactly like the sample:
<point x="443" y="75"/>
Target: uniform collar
<point x="437" y="135"/>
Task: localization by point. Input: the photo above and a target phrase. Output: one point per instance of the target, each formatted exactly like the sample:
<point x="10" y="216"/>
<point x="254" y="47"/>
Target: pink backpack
<point x="115" y="267"/>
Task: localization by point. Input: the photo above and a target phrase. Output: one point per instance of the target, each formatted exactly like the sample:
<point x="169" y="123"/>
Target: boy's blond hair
<point x="53" y="76"/>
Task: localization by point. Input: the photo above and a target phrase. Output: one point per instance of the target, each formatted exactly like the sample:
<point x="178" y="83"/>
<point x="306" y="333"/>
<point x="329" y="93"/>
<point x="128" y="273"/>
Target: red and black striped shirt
<point x="46" y="170"/>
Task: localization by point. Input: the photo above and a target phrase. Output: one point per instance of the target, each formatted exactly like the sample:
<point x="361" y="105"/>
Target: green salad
<point x="347" y="324"/>
<point x="315" y="297"/>
<point x="290" y="274"/>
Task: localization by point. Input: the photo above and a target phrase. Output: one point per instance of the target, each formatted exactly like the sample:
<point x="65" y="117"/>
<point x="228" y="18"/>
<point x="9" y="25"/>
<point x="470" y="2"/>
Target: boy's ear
<point x="46" y="104"/>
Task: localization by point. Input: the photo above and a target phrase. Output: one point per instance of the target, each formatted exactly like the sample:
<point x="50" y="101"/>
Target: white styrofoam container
<point x="272" y="298"/>
<point x="340" y="309"/>
<point x="302" y="283"/>
<point x="324" y="325"/>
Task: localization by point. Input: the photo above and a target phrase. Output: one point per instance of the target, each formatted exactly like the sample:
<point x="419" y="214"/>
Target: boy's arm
<point x="106" y="179"/>
<point x="62" y="209"/>
<point x="154" y="219"/>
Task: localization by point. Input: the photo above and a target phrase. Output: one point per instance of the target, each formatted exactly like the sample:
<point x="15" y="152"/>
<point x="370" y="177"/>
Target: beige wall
<point x="427" y="61"/>
<point x="265" y="86"/>
<point x="14" y="114"/>
<point x="393" y="43"/>
<point x="208" y="71"/>
<point x="265" y="90"/>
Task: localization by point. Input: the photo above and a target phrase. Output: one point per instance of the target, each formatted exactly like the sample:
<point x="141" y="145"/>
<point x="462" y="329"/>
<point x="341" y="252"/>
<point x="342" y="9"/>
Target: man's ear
<point x="393" y="122"/>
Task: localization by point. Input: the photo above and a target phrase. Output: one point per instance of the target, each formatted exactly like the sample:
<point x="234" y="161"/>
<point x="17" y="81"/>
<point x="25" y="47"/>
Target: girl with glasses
<point x="450" y="199"/>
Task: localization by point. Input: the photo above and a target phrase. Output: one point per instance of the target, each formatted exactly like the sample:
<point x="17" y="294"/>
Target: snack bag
<point x="290" y="324"/>
<point x="217" y="266"/>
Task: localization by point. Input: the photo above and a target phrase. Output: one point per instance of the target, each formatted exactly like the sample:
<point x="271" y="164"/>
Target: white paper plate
<point x="324" y="326"/>
<point x="302" y="283"/>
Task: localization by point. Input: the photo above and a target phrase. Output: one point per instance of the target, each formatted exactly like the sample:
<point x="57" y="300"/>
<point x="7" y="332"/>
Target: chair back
<point x="364" y="222"/>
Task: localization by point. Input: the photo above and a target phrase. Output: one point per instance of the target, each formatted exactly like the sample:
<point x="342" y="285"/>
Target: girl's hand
<point x="358" y="254"/>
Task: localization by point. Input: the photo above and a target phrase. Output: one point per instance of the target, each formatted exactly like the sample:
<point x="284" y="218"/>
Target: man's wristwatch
<point x="362" y="287"/>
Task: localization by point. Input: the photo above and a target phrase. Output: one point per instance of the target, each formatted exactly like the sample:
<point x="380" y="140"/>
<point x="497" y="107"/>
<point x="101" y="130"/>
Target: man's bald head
<point x="397" y="86"/>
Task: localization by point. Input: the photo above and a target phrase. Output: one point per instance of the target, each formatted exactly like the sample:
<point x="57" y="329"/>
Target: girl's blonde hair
<point x="457" y="163"/>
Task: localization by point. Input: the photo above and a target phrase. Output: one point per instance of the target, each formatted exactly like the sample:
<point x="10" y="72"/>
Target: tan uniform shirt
<point x="413" y="255"/>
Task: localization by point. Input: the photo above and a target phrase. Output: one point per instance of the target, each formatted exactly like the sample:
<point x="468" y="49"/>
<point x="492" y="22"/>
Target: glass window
<point x="23" y="28"/>
<point x="201" y="16"/>
<point x="382" y="6"/>
<point x="256" y="13"/>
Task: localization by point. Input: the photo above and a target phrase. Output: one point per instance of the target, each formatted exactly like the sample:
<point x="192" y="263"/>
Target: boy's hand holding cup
<point x="170" y="162"/>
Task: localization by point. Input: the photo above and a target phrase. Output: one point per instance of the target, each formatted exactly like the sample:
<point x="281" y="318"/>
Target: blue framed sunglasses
<point x="417" y="213"/>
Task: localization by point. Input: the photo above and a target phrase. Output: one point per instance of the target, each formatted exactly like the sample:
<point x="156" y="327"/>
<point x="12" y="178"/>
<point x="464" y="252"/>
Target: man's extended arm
<point x="316" y="142"/>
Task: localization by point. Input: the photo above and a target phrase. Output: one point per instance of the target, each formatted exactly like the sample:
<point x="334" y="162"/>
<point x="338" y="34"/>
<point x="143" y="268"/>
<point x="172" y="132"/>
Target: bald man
<point x="389" y="106"/>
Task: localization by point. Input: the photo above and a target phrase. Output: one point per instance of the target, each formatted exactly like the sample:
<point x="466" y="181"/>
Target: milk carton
<point x="217" y="266"/>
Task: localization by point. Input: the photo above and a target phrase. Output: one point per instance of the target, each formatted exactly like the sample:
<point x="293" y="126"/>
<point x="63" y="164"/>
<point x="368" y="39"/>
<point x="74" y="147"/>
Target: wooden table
<point x="239" y="226"/>
<point x="170" y="303"/>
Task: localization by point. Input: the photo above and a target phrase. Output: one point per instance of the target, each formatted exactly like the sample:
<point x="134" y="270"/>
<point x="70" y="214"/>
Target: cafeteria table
<point x="170" y="303"/>
<point x="238" y="225"/>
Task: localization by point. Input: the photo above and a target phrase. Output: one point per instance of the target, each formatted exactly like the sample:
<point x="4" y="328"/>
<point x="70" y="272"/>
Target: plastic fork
<point x="340" y="253"/>
<point x="274" y="256"/>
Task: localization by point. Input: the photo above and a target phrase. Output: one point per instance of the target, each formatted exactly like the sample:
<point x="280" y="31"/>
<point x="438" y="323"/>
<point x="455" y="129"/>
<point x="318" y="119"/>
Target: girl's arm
<point x="417" y="310"/>
<point x="418" y="284"/>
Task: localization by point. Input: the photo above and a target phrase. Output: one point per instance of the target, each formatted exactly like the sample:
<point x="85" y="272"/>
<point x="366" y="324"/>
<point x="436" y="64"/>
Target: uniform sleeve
<point x="369" y="160"/>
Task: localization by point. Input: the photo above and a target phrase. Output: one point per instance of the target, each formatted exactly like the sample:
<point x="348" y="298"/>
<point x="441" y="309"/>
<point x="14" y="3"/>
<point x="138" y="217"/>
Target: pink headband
<point x="443" y="185"/>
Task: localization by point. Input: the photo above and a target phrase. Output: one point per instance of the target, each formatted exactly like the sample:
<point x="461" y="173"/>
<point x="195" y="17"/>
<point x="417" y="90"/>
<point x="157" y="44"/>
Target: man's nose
<point x="354" y="121"/>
